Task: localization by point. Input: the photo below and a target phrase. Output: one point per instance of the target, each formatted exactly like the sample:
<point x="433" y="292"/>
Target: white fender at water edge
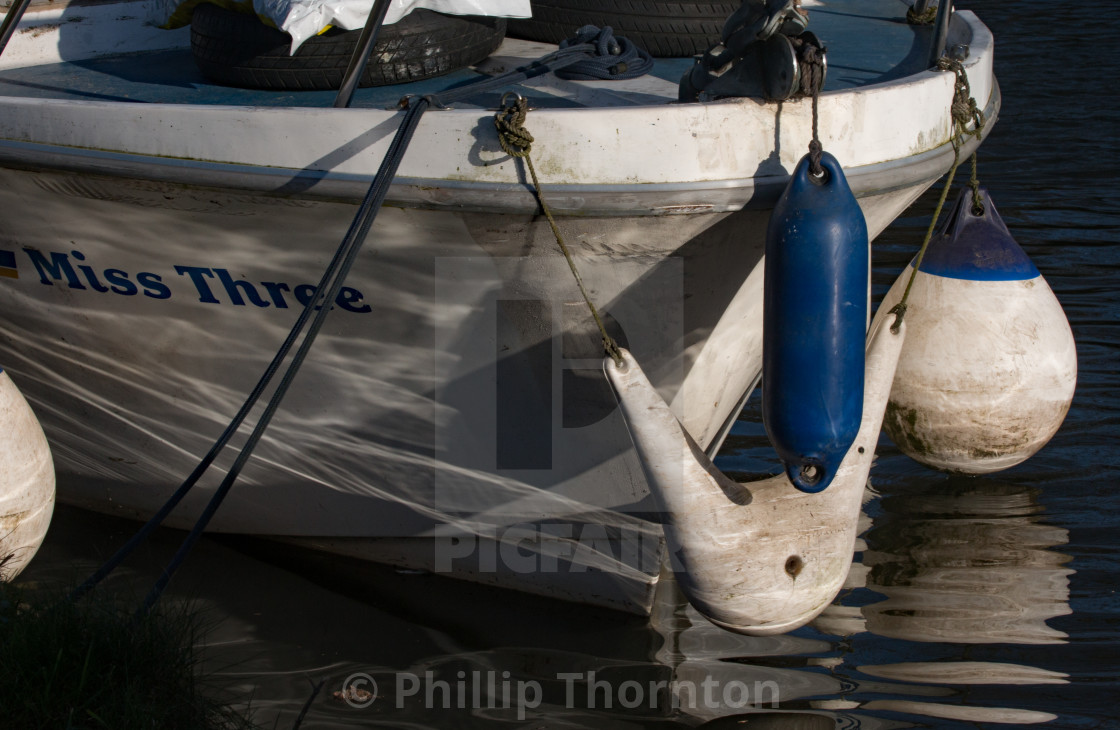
<point x="26" y="481"/>
<point x="990" y="365"/>
<point x="762" y="557"/>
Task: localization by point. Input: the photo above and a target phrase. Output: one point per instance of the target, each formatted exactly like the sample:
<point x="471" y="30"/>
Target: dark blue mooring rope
<point x="351" y="245"/>
<point x="614" y="58"/>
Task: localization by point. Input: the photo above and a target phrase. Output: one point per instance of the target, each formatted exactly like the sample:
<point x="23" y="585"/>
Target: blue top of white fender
<point x="977" y="247"/>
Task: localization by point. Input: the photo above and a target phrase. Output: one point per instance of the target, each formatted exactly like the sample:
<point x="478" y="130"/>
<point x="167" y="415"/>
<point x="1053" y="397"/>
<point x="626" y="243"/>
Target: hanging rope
<point x="517" y="142"/>
<point x="964" y="111"/>
<point x="974" y="183"/>
<point x="810" y="58"/>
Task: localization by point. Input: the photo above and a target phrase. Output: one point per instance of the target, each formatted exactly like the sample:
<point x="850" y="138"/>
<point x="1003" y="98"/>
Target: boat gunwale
<point x="595" y="199"/>
<point x="30" y="147"/>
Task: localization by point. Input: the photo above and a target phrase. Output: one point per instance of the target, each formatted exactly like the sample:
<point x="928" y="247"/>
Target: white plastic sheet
<point x="306" y="18"/>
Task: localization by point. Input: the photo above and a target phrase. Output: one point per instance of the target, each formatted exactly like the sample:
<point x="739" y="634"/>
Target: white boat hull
<point x="161" y="252"/>
<point x="391" y="429"/>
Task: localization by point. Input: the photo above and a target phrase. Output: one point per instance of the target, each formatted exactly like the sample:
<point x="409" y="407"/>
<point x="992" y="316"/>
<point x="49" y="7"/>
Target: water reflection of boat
<point x="967" y="562"/>
<point x="961" y="561"/>
<point x="792" y="682"/>
<point x="813" y="682"/>
<point x="282" y="615"/>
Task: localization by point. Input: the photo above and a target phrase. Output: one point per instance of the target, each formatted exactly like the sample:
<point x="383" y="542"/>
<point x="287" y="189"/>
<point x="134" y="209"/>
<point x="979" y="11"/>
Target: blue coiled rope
<point x="614" y="58"/>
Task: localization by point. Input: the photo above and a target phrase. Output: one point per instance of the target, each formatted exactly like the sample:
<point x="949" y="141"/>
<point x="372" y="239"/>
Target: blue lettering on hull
<point x="208" y="285"/>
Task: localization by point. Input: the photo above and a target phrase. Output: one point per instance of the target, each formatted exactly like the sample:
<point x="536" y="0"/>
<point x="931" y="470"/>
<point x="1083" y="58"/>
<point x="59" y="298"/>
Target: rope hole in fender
<point x="811" y="474"/>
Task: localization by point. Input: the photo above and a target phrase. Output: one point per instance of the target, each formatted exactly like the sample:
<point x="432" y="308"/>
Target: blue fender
<point x="814" y="320"/>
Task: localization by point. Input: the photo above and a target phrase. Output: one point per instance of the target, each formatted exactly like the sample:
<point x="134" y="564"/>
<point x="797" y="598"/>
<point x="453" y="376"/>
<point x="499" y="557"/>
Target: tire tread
<point x="236" y="49"/>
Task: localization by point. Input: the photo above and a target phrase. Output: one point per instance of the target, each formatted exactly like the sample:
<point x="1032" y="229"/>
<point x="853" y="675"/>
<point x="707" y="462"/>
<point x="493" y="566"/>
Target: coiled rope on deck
<point x="614" y="58"/>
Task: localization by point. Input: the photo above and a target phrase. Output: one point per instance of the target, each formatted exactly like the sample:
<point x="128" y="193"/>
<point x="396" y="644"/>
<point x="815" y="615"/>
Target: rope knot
<point x="811" y="62"/>
<point x="963" y="108"/>
<point x="962" y="111"/>
<point x="515" y="139"/>
<point x="925" y="17"/>
<point x="815" y="151"/>
<point x="899" y="311"/>
<point x="810" y="54"/>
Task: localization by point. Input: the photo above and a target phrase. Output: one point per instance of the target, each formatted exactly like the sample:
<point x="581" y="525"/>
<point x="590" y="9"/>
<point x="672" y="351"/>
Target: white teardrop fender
<point x="26" y="481"/>
<point x="988" y="373"/>
<point x="762" y="557"/>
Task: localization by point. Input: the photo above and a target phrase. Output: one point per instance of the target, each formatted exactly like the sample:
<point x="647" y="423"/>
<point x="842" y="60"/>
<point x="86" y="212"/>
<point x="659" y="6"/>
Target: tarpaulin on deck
<point x="303" y="19"/>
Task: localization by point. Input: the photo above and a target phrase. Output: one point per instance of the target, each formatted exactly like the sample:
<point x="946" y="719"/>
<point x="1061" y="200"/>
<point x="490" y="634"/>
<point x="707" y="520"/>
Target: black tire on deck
<point x="237" y="49"/>
<point x="665" y="28"/>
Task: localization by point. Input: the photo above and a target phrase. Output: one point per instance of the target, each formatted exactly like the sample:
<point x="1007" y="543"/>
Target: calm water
<point x="1016" y="569"/>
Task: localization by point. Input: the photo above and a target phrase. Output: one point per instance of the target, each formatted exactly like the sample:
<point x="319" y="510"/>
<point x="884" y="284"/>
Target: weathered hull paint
<point x="135" y="282"/>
